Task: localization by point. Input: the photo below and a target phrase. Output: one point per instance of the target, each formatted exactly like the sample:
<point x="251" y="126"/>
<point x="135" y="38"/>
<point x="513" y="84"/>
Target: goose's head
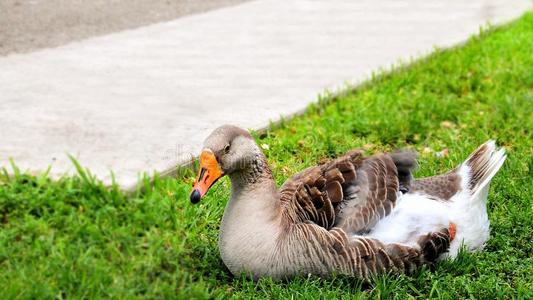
<point x="228" y="149"/>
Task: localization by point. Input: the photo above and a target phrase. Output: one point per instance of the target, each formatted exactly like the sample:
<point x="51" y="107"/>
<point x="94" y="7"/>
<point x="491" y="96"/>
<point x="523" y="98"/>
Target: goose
<point x="354" y="215"/>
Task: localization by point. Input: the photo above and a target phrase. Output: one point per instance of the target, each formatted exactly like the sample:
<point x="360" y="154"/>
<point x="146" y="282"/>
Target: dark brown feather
<point x="375" y="196"/>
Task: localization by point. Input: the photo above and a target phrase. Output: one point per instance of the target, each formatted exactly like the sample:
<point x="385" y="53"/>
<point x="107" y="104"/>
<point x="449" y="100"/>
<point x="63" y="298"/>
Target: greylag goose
<point x="355" y="215"/>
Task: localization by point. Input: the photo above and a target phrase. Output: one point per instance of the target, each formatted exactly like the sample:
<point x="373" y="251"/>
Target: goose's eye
<point x="226" y="149"/>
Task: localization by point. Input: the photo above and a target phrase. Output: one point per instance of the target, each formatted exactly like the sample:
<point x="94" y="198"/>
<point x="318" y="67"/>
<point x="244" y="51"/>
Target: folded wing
<point x="351" y="192"/>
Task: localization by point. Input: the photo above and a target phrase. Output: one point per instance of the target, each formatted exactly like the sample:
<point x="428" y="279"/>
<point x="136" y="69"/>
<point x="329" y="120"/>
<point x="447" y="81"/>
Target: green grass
<point x="74" y="238"/>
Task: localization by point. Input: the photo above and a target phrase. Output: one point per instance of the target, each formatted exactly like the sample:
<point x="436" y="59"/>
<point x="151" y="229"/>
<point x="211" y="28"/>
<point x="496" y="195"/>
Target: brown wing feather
<point x="316" y="193"/>
<point x="351" y="192"/>
<point x="373" y="198"/>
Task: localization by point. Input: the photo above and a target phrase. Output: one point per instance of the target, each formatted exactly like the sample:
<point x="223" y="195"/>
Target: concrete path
<point x="144" y="100"/>
<point x="27" y="25"/>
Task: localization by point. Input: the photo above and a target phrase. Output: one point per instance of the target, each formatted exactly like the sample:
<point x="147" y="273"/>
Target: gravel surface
<point x="27" y="25"/>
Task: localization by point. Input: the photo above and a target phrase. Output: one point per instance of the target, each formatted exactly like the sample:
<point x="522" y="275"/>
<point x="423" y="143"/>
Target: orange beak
<point x="209" y="173"/>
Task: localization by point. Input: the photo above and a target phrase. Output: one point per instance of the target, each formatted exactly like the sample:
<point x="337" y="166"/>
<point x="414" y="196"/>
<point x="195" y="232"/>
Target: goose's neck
<point x="254" y="189"/>
<point x="258" y="173"/>
<point x="251" y="221"/>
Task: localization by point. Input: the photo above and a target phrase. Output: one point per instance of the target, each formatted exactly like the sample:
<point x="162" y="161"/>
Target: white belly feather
<point x="413" y="216"/>
<point x="416" y="215"/>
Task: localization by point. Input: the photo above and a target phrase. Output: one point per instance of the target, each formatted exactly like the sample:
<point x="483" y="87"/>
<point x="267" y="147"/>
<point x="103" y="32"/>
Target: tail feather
<point x="483" y="165"/>
<point x="469" y="210"/>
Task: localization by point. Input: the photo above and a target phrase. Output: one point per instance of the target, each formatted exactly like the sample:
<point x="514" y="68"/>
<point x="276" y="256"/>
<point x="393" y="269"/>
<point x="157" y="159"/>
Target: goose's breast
<point x="248" y="235"/>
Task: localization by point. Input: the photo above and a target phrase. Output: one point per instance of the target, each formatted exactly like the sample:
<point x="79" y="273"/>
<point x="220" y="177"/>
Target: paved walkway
<point x="27" y="25"/>
<point x="144" y="99"/>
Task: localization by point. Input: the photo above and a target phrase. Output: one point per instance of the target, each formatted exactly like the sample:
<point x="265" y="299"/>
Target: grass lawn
<point x="74" y="238"/>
